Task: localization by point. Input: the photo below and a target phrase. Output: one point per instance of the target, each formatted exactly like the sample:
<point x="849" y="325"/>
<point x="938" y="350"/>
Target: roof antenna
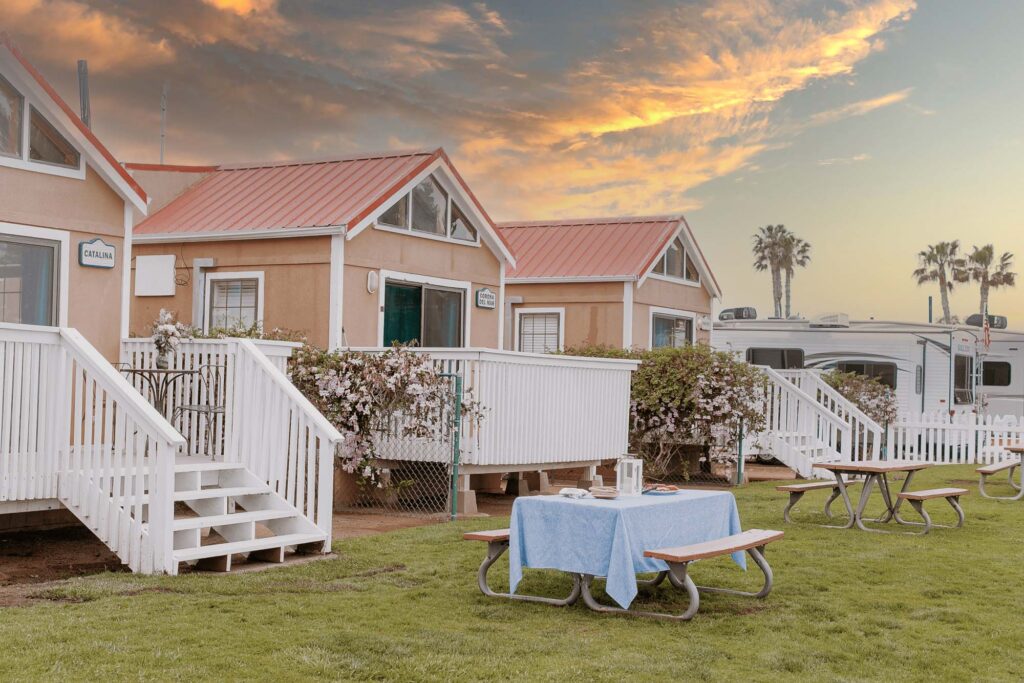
<point x="163" y="121"/>
<point x="83" y="92"/>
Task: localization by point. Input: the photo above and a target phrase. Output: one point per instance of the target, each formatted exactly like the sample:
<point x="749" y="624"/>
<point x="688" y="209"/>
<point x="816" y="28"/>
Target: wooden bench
<point x="987" y="470"/>
<point x="797" y="491"/>
<point x="752" y="541"/>
<point x="497" y="544"/>
<point x="917" y="499"/>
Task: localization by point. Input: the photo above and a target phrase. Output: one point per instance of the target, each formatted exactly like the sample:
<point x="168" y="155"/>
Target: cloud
<point x="71" y="29"/>
<point x="860" y="108"/>
<point x="622" y="112"/>
<point x="844" y="161"/>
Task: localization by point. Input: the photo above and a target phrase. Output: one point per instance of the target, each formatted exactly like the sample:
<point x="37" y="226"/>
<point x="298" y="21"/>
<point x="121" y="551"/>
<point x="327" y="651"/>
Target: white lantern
<point x="629" y="476"/>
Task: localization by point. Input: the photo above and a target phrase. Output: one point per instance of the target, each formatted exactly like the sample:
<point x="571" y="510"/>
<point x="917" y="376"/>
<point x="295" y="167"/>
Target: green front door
<point x="403" y="311"/>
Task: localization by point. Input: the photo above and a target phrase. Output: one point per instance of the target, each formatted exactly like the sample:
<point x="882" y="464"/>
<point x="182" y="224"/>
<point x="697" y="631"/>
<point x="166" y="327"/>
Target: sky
<point x="871" y="128"/>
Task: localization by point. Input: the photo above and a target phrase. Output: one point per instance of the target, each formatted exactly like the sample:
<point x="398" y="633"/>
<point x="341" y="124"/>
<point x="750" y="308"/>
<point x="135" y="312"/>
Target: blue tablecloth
<point x="608" y="537"/>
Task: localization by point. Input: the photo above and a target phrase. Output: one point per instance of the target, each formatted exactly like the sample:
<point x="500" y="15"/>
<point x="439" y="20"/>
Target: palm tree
<point x="941" y="263"/>
<point x="796" y="254"/>
<point x="982" y="267"/>
<point x="769" y="249"/>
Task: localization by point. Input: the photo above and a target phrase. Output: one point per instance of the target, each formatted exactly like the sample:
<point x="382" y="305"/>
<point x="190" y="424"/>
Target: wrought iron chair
<point x="212" y="404"/>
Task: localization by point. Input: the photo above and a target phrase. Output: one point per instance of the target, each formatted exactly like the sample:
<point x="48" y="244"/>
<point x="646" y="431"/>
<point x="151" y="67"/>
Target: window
<point x="539" y="331"/>
<point x="398" y="215"/>
<point x="233" y="302"/>
<point x="28" y="280"/>
<point x="995" y="373"/>
<point x="963" y="389"/>
<point x="461" y="228"/>
<point x="430" y="210"/>
<point x="12" y="104"/>
<point x="677" y="263"/>
<point x="777" y="359"/>
<point x="883" y="372"/>
<point x="429" y="204"/>
<point x="667" y="330"/>
<point x="47" y="145"/>
<point x="424" y="315"/>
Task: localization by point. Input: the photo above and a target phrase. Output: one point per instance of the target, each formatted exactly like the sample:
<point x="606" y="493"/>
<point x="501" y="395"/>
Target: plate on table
<point x="662" y="490"/>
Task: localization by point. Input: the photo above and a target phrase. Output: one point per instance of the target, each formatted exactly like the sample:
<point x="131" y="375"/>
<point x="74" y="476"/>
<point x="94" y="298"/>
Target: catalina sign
<point x="96" y="254"/>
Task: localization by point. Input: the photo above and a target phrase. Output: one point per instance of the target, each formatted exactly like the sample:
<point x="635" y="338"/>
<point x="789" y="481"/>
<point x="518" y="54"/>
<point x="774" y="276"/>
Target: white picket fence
<point x="961" y="439"/>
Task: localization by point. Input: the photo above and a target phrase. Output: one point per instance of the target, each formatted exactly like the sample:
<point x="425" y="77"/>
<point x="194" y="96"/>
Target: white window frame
<point x="671" y="278"/>
<point x="414" y="279"/>
<point x="63" y="240"/>
<point x="233" y="275"/>
<point x="23" y="162"/>
<point x="674" y="313"/>
<point x="520" y="312"/>
<point x="449" y="190"/>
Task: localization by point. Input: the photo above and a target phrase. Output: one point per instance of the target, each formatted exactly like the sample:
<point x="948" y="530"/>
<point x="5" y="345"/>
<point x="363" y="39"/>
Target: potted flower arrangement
<point x="167" y="334"/>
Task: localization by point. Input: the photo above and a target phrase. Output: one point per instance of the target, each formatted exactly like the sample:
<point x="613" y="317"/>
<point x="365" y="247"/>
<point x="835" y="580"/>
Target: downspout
<point x="199" y="265"/>
<point x="508" y="341"/>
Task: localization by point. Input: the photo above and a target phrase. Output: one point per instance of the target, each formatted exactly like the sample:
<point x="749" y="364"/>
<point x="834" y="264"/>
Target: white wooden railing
<point x="865" y="434"/>
<point x="72" y="428"/>
<point x="267" y="424"/>
<point x="801" y="430"/>
<point x="960" y="439"/>
<point x="538" y="408"/>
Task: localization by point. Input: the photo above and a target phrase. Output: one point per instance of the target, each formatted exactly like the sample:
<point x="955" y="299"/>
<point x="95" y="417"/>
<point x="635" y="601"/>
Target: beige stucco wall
<point x="85" y="209"/>
<point x="667" y="294"/>
<point x="380" y="250"/>
<point x="296" y="274"/>
<point x="593" y="310"/>
<point x="296" y="278"/>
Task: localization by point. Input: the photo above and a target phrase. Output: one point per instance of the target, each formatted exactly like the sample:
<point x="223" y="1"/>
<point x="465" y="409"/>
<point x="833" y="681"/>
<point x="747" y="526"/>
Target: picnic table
<point x="1010" y="466"/>
<point x="874" y="472"/>
<point x="592" y="537"/>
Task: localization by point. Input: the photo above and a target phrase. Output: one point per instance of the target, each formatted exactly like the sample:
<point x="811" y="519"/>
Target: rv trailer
<point x="931" y="367"/>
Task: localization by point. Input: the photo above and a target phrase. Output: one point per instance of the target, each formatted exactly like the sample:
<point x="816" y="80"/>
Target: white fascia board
<point x="170" y="237"/>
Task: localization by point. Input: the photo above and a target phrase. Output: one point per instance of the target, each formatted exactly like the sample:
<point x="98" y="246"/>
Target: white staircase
<point x="73" y="429"/>
<point x="223" y="511"/>
<point x="800" y="431"/>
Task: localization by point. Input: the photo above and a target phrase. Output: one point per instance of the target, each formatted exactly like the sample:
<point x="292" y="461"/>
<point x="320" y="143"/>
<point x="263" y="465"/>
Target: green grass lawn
<point x="847" y="605"/>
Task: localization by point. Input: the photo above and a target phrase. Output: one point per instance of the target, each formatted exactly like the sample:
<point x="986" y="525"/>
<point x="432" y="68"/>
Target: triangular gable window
<point x="433" y="212"/>
<point x="676" y="263"/>
<point x="49" y="146"/>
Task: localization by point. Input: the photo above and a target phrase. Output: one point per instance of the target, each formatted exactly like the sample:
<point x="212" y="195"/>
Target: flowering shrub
<point x="254" y="331"/>
<point x="871" y="396"/>
<point x="168" y="333"/>
<point x="369" y="394"/>
<point x="689" y="395"/>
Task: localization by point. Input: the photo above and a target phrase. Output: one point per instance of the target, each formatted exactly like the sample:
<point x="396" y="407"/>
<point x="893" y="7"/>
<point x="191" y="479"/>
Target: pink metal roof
<point x="588" y="248"/>
<point x="275" y="196"/>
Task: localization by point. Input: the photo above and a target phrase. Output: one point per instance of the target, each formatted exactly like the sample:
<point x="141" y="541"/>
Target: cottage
<point x="361" y="251"/>
<point x="66" y="210"/>
<point x="622" y="282"/>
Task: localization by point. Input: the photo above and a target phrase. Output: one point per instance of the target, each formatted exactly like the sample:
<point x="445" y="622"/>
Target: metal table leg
<point x="496" y="549"/>
<point x="845" y="495"/>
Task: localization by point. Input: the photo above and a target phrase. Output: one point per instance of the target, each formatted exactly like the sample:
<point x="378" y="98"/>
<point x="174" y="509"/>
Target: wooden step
<point x="242" y="547"/>
<point x="208" y="466"/>
<point x="233" y="518"/>
<point x="217" y="492"/>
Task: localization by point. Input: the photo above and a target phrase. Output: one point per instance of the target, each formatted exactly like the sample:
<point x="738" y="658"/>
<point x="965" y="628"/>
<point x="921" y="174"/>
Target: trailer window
<point x="777" y="359"/>
<point x="963" y="391"/>
<point x="883" y="372"/>
<point x="995" y="374"/>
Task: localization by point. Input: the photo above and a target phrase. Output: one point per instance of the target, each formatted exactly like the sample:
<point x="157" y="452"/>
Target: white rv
<point x="931" y="367"/>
